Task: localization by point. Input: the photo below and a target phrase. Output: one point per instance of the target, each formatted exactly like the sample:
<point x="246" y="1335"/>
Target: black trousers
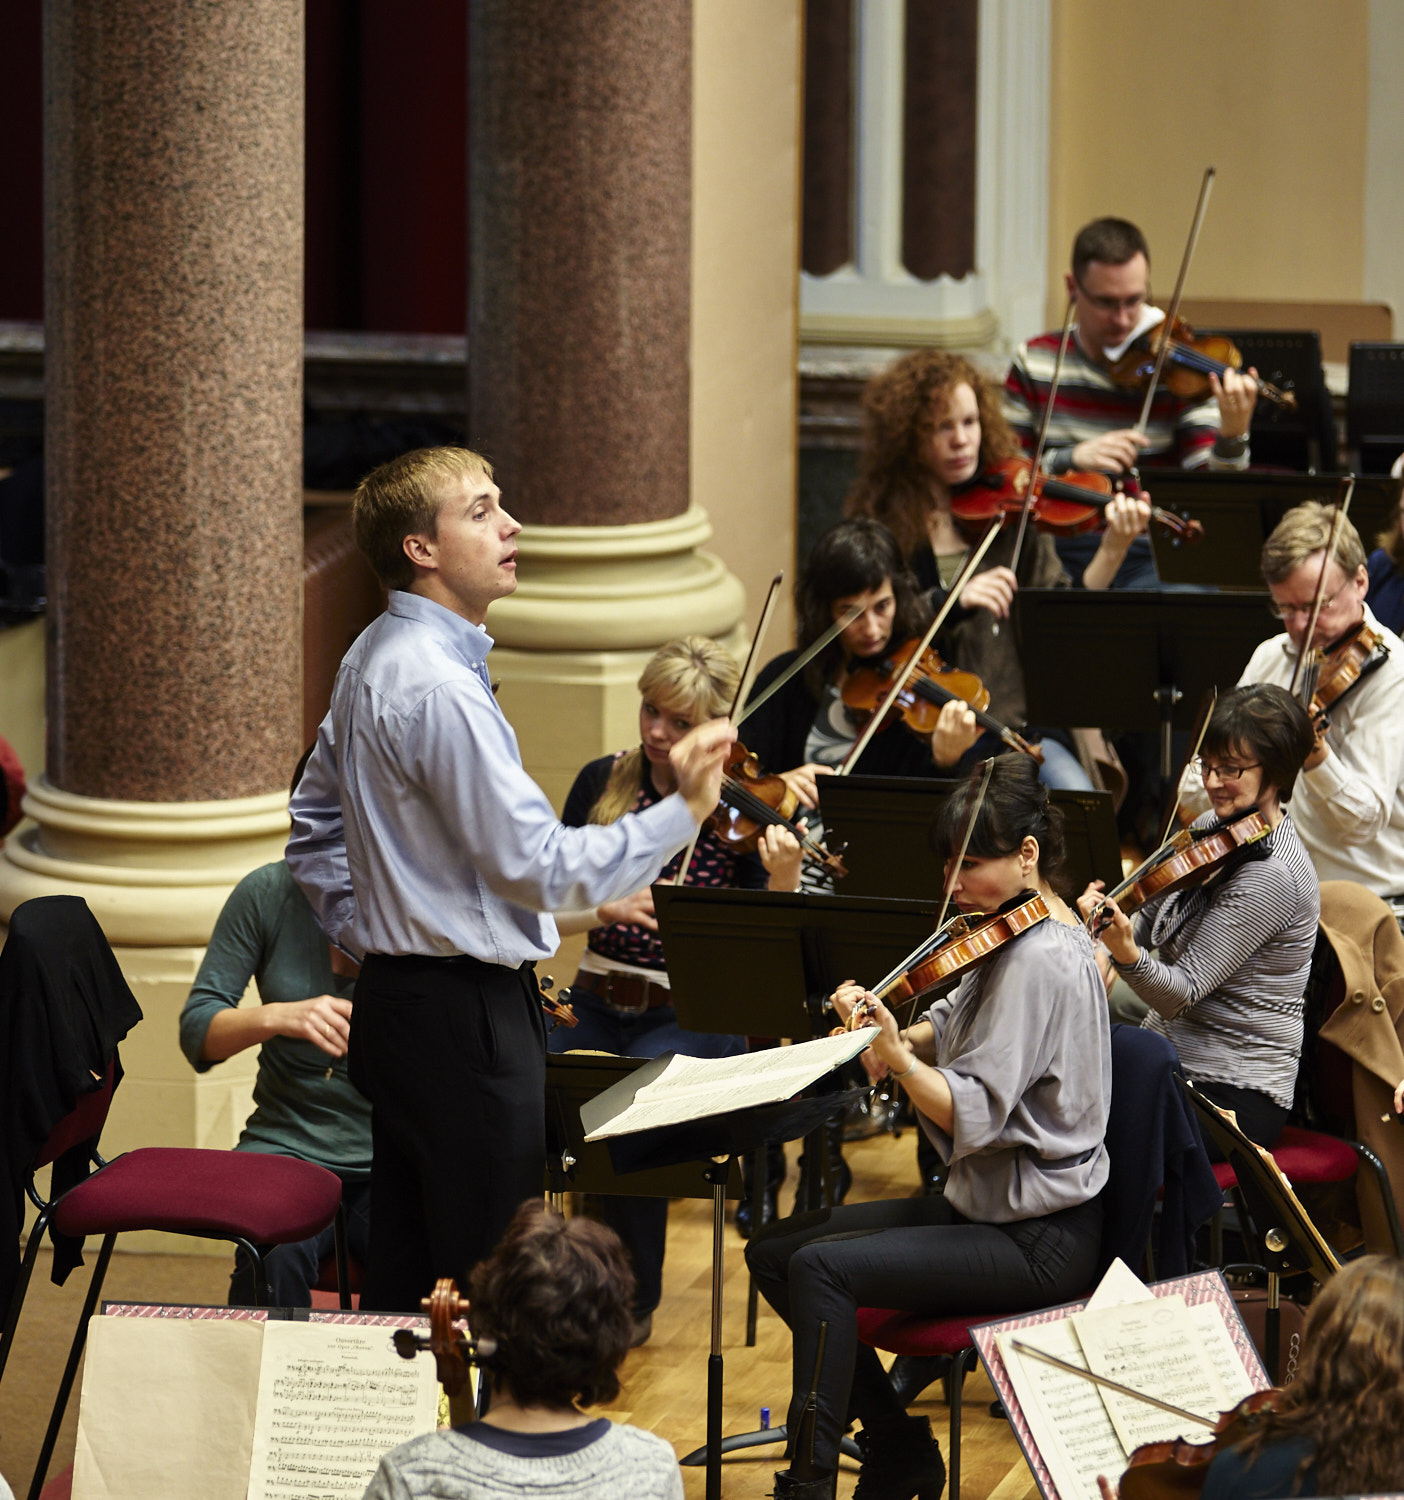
<point x="917" y="1254"/>
<point x="1259" y="1118"/>
<point x="451" y="1054"/>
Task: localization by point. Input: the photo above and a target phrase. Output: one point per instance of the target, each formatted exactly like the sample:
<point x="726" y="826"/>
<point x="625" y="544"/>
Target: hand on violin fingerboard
<point x="803" y="782"/>
<point x="1111" y="452"/>
<point x="782" y="857"/>
<point x="1117" y="935"/>
<point x="956" y="731"/>
<point x="1320" y="748"/>
<point x="1237" y="395"/>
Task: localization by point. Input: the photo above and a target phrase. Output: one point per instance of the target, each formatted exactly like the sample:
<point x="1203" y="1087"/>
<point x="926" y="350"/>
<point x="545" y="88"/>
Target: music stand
<point x="887" y="826"/>
<point x="1288" y="1241"/>
<point x="1239" y="511"/>
<point x="1148" y="658"/>
<point x="709" y="1142"/>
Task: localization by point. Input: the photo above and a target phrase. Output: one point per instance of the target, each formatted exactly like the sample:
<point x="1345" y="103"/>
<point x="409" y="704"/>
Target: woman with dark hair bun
<point x="1228" y="981"/>
<point x="1011" y="1078"/>
<point x="555" y="1295"/>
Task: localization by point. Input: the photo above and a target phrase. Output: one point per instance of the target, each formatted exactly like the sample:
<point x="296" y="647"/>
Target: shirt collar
<point x="471" y="640"/>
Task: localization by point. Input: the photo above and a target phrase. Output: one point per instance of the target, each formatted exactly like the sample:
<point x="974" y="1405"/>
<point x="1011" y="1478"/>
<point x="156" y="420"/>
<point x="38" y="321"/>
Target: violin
<point x="1191" y="359"/>
<point x="1164" y="1471"/>
<point x="752" y="802"/>
<point x="1341" y="667"/>
<point x="966" y="941"/>
<point x="452" y="1348"/>
<point x="1066" y="506"/>
<point x="1188" y="859"/>
<point x="928" y="690"/>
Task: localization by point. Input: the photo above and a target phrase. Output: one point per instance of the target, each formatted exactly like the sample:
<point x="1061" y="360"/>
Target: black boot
<point x="773" y="1154"/>
<point x="912" y="1373"/>
<point x="901" y="1461"/>
<point x="787" y="1487"/>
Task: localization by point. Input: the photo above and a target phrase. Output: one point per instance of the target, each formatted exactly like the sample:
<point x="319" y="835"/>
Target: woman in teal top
<point x="304" y="1103"/>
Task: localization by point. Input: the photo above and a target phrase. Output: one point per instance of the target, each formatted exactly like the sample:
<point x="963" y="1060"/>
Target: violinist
<point x="1011" y="1076"/>
<point x="430" y="855"/>
<point x="620" y="994"/>
<point x="1223" y="965"/>
<point x="1349" y="804"/>
<point x="1093" y="426"/>
<point x="1338" y="1429"/>
<point x="933" y="428"/>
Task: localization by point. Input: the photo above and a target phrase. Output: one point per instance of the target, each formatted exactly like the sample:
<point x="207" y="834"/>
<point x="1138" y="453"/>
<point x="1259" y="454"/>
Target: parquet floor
<point x="665" y="1381"/>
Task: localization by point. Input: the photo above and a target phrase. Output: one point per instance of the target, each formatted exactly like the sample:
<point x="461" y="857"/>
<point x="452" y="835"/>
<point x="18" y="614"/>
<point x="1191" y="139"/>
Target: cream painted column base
<point x="155" y="875"/>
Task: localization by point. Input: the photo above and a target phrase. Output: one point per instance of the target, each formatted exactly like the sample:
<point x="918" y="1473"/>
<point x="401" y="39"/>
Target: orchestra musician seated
<point x="933" y="432"/>
<point x="1223" y="964"/>
<point x="1338" y="1428"/>
<point x="1349" y="802"/>
<point x="620" y="995"/>
<point x="1011" y="1077"/>
<point x="555" y="1297"/>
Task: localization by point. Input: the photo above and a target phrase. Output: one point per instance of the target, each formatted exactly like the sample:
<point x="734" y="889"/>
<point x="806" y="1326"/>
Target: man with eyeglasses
<point x="1349" y="801"/>
<point x="1094" y="419"/>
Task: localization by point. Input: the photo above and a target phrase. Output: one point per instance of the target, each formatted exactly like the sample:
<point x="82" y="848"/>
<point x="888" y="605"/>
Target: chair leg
<point x="70" y="1370"/>
<point x="343" y="1260"/>
<point x="26" y="1270"/>
<point x="261" y="1296"/>
<point x="1367" y="1159"/>
<point x="959" y="1365"/>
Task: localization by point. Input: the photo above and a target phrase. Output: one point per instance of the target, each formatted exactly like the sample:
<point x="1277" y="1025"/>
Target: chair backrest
<point x="83" y="1122"/>
<point x="1375" y="405"/>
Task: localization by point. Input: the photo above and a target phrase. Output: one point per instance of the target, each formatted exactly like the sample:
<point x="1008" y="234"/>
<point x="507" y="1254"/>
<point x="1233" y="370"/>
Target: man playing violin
<point x="1349" y="804"/>
<point x="429" y="855"/>
<point x="1093" y="426"/>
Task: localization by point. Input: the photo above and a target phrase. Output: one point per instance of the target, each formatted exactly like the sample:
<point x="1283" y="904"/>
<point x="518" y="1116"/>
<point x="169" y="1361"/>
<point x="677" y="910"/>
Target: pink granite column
<point x="579" y="247"/>
<point x="173" y="327"/>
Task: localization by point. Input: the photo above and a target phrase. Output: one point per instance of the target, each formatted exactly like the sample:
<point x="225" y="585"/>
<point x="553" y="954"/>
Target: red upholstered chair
<point x="245" y="1196"/>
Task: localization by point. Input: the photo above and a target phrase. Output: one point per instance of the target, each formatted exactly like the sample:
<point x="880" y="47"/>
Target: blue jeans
<point x="642" y="1223"/>
<point x="1060" y="768"/>
<point x="292" y="1269"/>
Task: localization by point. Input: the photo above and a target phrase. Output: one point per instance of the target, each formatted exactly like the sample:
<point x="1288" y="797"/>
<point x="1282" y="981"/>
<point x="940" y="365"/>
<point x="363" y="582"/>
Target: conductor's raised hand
<point x="697" y="760"/>
<point x="633" y="910"/>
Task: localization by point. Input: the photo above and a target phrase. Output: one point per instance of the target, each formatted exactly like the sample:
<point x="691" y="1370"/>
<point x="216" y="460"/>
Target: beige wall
<point x="745" y="283"/>
<point x="1273" y="93"/>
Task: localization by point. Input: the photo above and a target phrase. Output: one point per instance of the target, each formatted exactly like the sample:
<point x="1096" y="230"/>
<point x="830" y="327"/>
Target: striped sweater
<point x="1180" y="432"/>
<point x="1233" y="958"/>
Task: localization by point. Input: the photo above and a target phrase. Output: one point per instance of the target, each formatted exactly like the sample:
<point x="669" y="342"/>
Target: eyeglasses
<point x="1223" y="773"/>
<point x="1115" y="304"/>
<point x="1286" y="611"/>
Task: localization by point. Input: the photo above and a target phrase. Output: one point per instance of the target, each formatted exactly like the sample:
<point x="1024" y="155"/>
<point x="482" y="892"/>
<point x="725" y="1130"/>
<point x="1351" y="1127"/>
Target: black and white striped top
<point x="1228" y="981"/>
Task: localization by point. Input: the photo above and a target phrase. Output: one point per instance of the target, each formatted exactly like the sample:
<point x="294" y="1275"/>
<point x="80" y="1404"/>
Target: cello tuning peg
<point x="546" y="983"/>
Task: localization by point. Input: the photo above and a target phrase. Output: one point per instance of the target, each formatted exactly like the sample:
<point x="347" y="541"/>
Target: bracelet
<point x="899" y="1076"/>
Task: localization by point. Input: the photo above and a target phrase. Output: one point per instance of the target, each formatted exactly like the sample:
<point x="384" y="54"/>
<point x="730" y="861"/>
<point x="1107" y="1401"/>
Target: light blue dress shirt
<point x="415" y="829"/>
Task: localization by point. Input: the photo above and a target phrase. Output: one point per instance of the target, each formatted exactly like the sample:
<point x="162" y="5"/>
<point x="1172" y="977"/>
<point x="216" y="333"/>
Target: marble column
<point x="580" y="294"/>
<point x="173" y="359"/>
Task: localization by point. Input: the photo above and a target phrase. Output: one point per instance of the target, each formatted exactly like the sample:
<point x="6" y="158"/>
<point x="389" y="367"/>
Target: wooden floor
<point x="665" y="1381"/>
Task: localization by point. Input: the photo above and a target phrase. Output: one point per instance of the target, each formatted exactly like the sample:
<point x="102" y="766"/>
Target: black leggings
<point x="916" y="1254"/>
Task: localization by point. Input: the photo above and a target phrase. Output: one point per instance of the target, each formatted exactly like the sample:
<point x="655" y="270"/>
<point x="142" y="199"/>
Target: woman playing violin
<point x="1338" y="1429"/>
<point x="1011" y="1076"/>
<point x="1224" y="965"/>
<point x="933" y="428"/>
<point x="620" y="994"/>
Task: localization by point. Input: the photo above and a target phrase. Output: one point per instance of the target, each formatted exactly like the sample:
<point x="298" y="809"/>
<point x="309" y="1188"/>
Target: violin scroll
<point x="452" y="1348"/>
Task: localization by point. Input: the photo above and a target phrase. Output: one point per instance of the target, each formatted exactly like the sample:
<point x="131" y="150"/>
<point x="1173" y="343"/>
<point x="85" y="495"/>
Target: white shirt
<point x="1349" y="811"/>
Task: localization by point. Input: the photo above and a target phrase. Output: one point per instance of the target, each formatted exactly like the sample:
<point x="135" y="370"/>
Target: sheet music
<point x="690" y="1088"/>
<point x="1067" y="1416"/>
<point x="1223" y="1355"/>
<point x="1154" y="1347"/>
<point x="333" y="1398"/>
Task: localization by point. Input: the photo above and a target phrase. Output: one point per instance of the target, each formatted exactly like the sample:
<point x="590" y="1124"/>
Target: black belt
<point x="625" y="993"/>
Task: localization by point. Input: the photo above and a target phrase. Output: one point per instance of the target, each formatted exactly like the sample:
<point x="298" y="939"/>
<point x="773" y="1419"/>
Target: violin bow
<point x="1172" y="312"/>
<point x="967" y="571"/>
<point x="1042" y="443"/>
<point x="1342" y="509"/>
<point x="1206" y="708"/>
<point x="743" y="686"/>
<point x="801" y="662"/>
<point x="1111" y="1385"/>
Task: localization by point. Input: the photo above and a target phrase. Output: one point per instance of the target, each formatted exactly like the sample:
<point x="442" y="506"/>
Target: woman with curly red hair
<point x="933" y="427"/>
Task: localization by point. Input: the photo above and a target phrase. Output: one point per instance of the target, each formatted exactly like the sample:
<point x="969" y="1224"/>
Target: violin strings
<point x="745" y="801"/>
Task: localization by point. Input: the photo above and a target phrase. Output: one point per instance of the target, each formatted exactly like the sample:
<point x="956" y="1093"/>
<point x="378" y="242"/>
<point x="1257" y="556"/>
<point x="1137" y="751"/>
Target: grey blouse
<point x="1025" y="1046"/>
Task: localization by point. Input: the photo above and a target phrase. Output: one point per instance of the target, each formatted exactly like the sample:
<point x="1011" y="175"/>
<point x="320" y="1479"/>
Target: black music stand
<point x="1239" y="512"/>
<point x="1133" y="660"/>
<point x="701" y="1150"/>
<point x="1288" y="1241"/>
<point x="887" y="826"/>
